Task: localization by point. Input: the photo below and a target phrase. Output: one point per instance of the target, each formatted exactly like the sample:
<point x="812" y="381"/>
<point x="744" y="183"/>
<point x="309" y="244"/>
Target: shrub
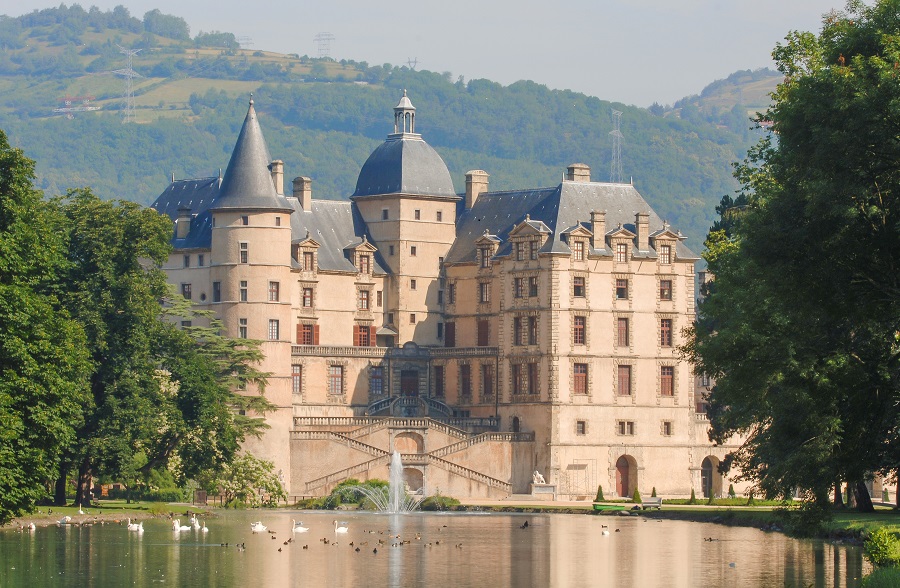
<point x="882" y="548"/>
<point x="636" y="497"/>
<point x="882" y="578"/>
<point x="709" y="500"/>
<point x="159" y="508"/>
<point x="653" y="493"/>
<point x="439" y="502"/>
<point x="750" y="500"/>
<point x="165" y="495"/>
<point x="693" y="499"/>
<point x="599" y="497"/>
<point x="731" y="493"/>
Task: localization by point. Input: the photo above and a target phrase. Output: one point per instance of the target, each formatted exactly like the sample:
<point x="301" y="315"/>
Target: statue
<point x="538" y="478"/>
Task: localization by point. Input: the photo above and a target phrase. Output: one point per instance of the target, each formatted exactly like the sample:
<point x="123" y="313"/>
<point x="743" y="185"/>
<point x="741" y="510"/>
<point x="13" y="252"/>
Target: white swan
<point x="203" y="528"/>
<point x="258" y="527"/>
<point x="194" y="522"/>
<point x="177" y="526"/>
<point x="298" y="527"/>
<point x="31" y="527"/>
<point x="341" y="527"/>
<point x="65" y="520"/>
<point x="135" y="526"/>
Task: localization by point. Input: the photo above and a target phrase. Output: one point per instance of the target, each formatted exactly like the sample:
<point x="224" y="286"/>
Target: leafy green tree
<point x="801" y="329"/>
<point x="42" y="350"/>
<point x="247" y="480"/>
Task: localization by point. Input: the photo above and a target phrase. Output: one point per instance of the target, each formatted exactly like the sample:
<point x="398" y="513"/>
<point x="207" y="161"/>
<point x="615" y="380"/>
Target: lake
<point x="433" y="549"/>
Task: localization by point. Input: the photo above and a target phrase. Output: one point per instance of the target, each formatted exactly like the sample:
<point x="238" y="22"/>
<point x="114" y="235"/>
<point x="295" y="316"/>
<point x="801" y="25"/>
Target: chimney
<point x="303" y="192"/>
<point x="476" y="184"/>
<point x="277" y="168"/>
<point x="642" y="224"/>
<point x="598" y="227"/>
<point x="578" y="172"/>
<point x="183" y="224"/>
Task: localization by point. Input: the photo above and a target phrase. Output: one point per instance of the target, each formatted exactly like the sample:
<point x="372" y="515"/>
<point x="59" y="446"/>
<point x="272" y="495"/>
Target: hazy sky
<point x="633" y="51"/>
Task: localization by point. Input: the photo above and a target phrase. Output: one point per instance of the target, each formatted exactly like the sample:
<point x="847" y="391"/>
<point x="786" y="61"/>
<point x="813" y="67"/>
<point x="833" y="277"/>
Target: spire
<point x="404" y="116"/>
<point x="247" y="182"/>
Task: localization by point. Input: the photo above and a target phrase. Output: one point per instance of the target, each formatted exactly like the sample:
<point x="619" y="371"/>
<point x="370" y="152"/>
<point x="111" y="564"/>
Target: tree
<point x="42" y="350"/>
<point x="246" y="479"/>
<point x="802" y="327"/>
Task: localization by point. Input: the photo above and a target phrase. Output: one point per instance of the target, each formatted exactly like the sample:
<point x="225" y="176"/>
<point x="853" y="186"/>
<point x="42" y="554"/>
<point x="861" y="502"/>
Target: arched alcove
<point x="710" y="478"/>
<point x="626" y="476"/>
<point x="409" y="443"/>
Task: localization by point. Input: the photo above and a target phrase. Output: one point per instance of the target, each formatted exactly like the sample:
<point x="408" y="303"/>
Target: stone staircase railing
<point x="428" y="459"/>
<point x="476" y="439"/>
<point x="344" y="439"/>
<point x="341" y="475"/>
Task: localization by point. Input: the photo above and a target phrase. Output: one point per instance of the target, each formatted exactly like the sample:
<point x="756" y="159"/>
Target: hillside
<point x="323" y="117"/>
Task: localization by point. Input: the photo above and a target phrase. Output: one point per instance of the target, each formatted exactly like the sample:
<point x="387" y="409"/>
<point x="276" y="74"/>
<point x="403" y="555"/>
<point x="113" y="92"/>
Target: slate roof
<point x="404" y="164"/>
<point x="335" y="225"/>
<point x="197" y="195"/>
<point x="559" y="208"/>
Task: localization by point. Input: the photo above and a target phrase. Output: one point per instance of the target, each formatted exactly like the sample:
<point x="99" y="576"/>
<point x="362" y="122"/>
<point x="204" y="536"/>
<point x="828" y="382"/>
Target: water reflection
<point x="431" y="550"/>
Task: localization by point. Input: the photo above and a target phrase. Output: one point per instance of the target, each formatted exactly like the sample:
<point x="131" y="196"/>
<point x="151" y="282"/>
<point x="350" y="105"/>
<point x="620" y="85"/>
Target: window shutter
<point x="316" y="335"/>
<point x="450" y="334"/>
<point x="299" y="334"/>
<point x="372" y="336"/>
<point x="356" y="335"/>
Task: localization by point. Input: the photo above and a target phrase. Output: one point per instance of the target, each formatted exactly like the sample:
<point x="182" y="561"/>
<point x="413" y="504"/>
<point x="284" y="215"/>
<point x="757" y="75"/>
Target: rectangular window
<point x="242" y="328"/>
<point x="390" y="318"/>
<point x="307" y="335"/>
<point x="273" y="330"/>
<point x="622" y="289"/>
<point x="532" y="378"/>
<point x="185" y="324"/>
<point x="274" y="291"/>
<point x="579" y="250"/>
<point x="384" y="214"/>
<point x="201" y="260"/>
<point x="245" y="220"/>
<point x="335" y="379"/>
<point x="307" y="297"/>
<point x="579" y="383"/>
<point x="665" y="332"/>
<point x="517" y="380"/>
<point x="412" y="284"/>
<point x="520" y="251"/>
<point x="482" y="333"/>
<point x="440" y="297"/>
<point x="667" y="428"/>
<point x="217" y="291"/>
<point x="533" y="247"/>
<point x="578" y="286"/>
<point x="296" y="378"/>
<point x="484" y="255"/>
<point x="621" y="252"/>
<point x="665" y="254"/>
<point x="625" y="427"/>
<point x="309" y="261"/>
<point x="245" y="252"/>
<point x="376" y="381"/>
<point x="518" y="338"/>
<point x="440" y="216"/>
<point x="580" y="427"/>
<point x="277" y="221"/>
<point x="451" y="294"/>
<point x="487" y="380"/>
<point x="412" y="319"/>
<point x="518" y="287"/>
<point x="243" y="291"/>
<point x="186" y="291"/>
<point x="667" y="380"/>
<point x="465" y="380"/>
<point x="578" y="330"/>
<point x="533" y="286"/>
<point x="361" y="335"/>
<point x="622" y="332"/>
<point x="379" y="298"/>
<point x="418" y="214"/>
<point x="665" y="289"/>
<point x="440" y="330"/>
<point x="364" y="264"/>
<point x="439" y="381"/>
<point x="450" y="334"/>
<point x="186" y="260"/>
<point x="532" y="330"/>
<point x="440" y="263"/>
<point x="412" y="250"/>
<point x="484" y="292"/>
<point x="364" y="300"/>
<point x="624" y="372"/>
<point x="390" y="249"/>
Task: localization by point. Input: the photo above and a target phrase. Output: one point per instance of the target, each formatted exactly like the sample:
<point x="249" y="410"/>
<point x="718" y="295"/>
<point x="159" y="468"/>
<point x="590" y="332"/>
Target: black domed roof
<point x="405" y="165"/>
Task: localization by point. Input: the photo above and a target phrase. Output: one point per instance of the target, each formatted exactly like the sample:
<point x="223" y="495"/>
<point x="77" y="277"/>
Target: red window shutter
<point x="372" y="336"/>
<point x="316" y="335"/>
<point x="299" y="334"/>
<point x="356" y="335"/>
<point x="450" y="335"/>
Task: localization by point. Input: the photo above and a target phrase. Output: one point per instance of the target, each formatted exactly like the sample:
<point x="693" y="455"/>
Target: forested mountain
<point x="323" y="117"/>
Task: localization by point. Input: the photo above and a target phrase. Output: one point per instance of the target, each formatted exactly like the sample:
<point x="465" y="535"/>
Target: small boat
<point x="599" y="506"/>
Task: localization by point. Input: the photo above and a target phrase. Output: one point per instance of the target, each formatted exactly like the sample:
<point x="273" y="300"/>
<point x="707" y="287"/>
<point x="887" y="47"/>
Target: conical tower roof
<point x="247" y="183"/>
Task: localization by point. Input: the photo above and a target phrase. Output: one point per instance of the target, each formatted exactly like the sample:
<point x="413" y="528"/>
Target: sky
<point x="635" y="51"/>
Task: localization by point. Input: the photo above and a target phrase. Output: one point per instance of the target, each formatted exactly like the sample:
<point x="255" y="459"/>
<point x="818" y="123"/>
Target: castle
<point x="485" y="336"/>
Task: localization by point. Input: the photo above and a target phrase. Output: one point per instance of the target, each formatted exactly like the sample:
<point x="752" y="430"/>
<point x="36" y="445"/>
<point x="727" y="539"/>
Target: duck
<point x="297" y="527"/>
<point x="341" y="527"/>
<point x="258" y="527"/>
<point x="605" y="532"/>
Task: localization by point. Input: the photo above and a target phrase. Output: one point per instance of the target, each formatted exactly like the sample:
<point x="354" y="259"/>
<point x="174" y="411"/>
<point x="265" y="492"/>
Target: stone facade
<point x="484" y="335"/>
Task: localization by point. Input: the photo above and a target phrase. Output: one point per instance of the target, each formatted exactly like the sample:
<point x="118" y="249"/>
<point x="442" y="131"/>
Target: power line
<point x="324" y="42"/>
<point x="129" y="75"/>
<point x="616" y="176"/>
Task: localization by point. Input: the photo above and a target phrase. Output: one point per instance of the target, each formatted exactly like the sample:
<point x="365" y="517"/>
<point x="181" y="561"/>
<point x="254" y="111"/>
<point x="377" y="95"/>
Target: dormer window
<point x="578" y="249"/>
<point x="309" y="261"/>
<point x="621" y="252"/>
<point x="665" y="254"/>
<point x="364" y="264"/>
<point x="485" y="254"/>
<point x="520" y="251"/>
<point x="534" y="246"/>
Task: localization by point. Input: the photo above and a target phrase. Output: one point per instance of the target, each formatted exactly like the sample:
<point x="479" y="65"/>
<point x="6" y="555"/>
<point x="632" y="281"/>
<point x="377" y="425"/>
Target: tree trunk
<point x="82" y="492"/>
<point x="838" y="496"/>
<point x="59" y="490"/>
<point x="863" y="500"/>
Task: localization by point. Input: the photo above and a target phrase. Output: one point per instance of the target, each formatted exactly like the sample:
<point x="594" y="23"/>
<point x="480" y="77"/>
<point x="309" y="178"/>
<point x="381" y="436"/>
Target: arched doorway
<point x="515" y="424"/>
<point x="626" y="476"/>
<point x="409" y="443"/>
<point x="414" y="479"/>
<point x="710" y="478"/>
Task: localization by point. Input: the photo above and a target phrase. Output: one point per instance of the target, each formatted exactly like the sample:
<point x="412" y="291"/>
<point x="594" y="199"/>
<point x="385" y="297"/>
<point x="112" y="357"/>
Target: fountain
<point x="394" y="499"/>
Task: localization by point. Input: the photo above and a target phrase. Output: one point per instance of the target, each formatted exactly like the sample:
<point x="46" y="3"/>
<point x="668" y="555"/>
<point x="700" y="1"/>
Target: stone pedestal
<point x="543" y="491"/>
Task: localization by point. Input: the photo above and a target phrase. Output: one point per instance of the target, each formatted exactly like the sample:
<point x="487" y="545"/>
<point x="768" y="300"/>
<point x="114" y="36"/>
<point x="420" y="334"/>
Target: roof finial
<point x="404" y="91"/>
<point x="251" y="98"/>
<point x="527" y="218"/>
